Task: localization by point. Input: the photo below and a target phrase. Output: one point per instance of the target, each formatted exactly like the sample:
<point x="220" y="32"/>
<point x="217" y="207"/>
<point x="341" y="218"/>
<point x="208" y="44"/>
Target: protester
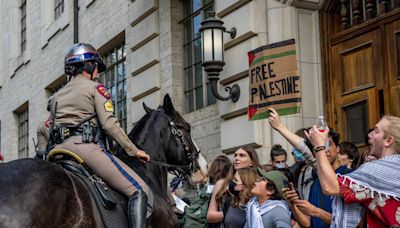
<point x="278" y="157"/>
<point x="266" y="208"/>
<point x="299" y="160"/>
<point x="196" y="215"/>
<point x="366" y="156"/>
<point x="310" y="189"/>
<point x="298" y="142"/>
<point x="348" y="155"/>
<point x="304" y="175"/>
<point x="374" y="187"/>
<point x="292" y="198"/>
<point x="240" y="190"/>
<point x="244" y="157"/>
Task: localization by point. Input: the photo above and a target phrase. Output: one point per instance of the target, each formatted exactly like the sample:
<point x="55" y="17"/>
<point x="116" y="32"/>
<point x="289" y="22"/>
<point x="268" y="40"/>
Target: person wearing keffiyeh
<point x="373" y="189"/>
<point x="267" y="209"/>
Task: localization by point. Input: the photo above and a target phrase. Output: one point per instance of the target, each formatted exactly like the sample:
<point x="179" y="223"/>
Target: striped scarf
<point x="255" y="211"/>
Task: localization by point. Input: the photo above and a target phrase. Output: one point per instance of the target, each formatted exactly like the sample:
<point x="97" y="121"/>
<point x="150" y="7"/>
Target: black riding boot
<point x="137" y="209"/>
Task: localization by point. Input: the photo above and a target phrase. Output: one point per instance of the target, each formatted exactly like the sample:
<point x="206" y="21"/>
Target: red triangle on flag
<point x="251" y="57"/>
<point x="251" y="111"/>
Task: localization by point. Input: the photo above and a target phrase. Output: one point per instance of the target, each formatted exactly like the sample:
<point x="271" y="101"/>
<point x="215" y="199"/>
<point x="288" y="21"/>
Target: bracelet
<point x="318" y="149"/>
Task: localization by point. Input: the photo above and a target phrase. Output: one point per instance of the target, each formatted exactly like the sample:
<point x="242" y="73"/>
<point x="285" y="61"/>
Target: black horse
<point x="36" y="193"/>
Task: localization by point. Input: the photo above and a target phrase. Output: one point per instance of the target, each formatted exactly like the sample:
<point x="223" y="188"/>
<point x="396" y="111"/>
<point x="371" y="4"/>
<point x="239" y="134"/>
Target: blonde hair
<point x="393" y="129"/>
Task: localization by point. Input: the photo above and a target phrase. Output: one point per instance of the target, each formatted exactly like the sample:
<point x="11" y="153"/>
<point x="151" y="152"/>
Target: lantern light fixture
<point x="212" y="42"/>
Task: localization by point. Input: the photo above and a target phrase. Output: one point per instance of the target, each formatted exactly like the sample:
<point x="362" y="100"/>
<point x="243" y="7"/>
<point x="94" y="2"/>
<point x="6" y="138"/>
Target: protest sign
<point x="274" y="80"/>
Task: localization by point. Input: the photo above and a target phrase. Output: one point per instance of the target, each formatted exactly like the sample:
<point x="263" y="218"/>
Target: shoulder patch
<point x="103" y="91"/>
<point x="47" y="123"/>
<point x="108" y="106"/>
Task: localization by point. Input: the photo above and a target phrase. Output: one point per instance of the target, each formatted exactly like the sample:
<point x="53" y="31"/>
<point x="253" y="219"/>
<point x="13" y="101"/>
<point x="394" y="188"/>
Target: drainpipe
<point x="76" y="34"/>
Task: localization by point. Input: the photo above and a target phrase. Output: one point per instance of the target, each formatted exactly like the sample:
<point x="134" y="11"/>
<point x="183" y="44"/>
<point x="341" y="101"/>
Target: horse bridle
<point x="190" y="156"/>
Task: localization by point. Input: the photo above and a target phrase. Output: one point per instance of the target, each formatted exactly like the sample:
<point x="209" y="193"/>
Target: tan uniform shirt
<point x="79" y="99"/>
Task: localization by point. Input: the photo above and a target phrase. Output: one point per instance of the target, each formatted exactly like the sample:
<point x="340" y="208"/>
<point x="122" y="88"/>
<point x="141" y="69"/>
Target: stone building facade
<point x="154" y="62"/>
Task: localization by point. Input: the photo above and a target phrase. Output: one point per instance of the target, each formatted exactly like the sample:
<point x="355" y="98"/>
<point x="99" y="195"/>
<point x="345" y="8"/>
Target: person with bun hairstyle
<point x="278" y="157"/>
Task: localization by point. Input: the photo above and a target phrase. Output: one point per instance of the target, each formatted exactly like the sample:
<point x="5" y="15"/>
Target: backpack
<point x="196" y="214"/>
<point x="306" y="179"/>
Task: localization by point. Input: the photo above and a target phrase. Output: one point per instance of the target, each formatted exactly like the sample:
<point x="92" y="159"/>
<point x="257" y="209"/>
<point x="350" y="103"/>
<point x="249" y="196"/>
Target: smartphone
<point x="286" y="183"/>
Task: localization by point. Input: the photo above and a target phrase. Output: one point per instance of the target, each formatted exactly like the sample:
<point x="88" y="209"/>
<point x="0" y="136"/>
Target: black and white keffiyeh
<point x="255" y="211"/>
<point x="382" y="179"/>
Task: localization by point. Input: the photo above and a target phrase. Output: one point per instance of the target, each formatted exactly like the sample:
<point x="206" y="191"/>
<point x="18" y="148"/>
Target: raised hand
<point x="274" y="119"/>
<point x="316" y="137"/>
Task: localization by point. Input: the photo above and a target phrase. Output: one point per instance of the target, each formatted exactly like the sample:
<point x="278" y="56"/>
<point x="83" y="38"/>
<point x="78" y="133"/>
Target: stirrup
<point x="62" y="154"/>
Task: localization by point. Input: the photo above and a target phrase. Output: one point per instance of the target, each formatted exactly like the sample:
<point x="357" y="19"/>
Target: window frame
<point x="23" y="133"/>
<point x="23" y="31"/>
<point x="191" y="81"/>
<point x="114" y="83"/>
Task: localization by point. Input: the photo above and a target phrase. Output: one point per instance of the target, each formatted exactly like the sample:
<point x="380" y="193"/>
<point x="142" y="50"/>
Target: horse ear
<point x="146" y="108"/>
<point x="168" y="106"/>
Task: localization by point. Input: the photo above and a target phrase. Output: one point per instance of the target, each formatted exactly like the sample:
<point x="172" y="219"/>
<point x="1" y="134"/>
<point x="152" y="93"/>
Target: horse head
<point x="165" y="136"/>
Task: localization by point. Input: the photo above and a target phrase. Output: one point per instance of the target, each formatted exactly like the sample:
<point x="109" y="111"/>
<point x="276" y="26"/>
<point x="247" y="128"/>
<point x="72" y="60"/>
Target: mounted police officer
<point x="81" y="110"/>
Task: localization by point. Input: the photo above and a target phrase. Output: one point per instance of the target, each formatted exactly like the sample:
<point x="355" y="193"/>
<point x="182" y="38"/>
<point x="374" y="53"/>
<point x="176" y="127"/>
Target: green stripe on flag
<point x="281" y="112"/>
<point x="286" y="53"/>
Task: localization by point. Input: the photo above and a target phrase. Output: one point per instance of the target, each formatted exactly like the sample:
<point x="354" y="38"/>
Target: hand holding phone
<point x="286" y="183"/>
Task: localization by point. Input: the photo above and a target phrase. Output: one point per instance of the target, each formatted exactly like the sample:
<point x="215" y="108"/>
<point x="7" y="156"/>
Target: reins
<point x="168" y="165"/>
<point x="179" y="136"/>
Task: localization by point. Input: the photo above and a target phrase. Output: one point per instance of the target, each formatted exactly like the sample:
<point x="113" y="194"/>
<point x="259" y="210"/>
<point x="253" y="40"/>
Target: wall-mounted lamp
<point x="212" y="42"/>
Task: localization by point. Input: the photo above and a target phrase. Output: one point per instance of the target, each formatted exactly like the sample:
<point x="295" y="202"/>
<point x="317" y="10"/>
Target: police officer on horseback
<point x="80" y="112"/>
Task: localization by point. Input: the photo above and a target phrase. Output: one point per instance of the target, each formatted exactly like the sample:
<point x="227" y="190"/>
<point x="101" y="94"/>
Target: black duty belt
<point x="74" y="132"/>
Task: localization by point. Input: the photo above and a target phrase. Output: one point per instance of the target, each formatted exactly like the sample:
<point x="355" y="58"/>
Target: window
<point x="357" y="122"/>
<point x="23" y="137"/>
<point x="23" y="25"/>
<point x="56" y="85"/>
<point x="114" y="79"/>
<point x="58" y="8"/>
<point x="197" y="91"/>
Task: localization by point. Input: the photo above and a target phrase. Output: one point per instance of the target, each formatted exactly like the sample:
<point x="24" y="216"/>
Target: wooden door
<point x="393" y="64"/>
<point x="356" y="80"/>
<point x="361" y="65"/>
